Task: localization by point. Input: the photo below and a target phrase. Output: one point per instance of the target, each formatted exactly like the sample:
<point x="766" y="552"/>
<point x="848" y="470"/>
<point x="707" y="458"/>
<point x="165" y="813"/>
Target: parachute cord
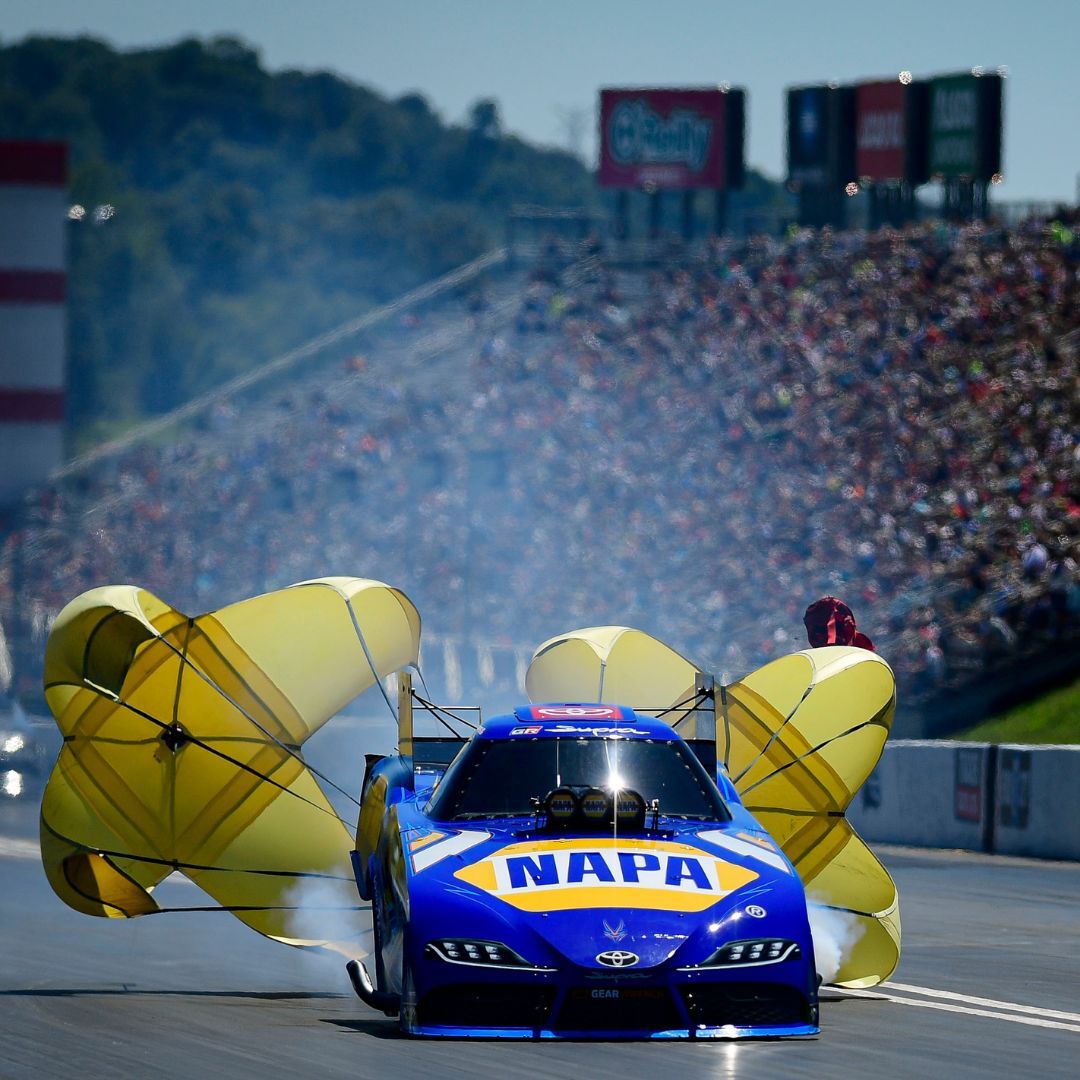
<point x="686" y="706"/>
<point x="774" y="736"/>
<point x="435" y="711"/>
<point x="176" y="864"/>
<point x="265" y="907"/>
<point x="423" y="681"/>
<point x="196" y="741"/>
<point x="874" y="721"/>
<point x="243" y="712"/>
<point x="363" y="643"/>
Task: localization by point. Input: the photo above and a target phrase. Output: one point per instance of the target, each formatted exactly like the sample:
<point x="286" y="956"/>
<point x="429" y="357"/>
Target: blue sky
<point x="544" y="60"/>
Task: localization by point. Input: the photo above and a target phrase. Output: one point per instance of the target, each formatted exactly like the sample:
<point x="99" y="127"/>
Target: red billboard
<point x="669" y="139"/>
<point x="880" y="130"/>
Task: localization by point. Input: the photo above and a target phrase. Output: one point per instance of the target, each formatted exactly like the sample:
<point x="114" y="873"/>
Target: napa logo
<point x="559" y="875"/>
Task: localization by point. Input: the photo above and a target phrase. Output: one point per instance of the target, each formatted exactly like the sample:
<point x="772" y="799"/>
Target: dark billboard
<point x="808" y="146"/>
<point x="670" y="140"/>
<point x="820" y="139"/>
<point x="964" y="126"/>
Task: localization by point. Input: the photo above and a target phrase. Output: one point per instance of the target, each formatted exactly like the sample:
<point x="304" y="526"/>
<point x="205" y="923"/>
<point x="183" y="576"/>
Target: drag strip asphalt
<point x="988" y="986"/>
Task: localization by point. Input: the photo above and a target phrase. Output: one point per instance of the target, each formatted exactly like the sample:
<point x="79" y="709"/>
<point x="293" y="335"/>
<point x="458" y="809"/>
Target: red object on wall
<point x="31" y="406"/>
<point x="33" y="286"/>
<point x="26" y="162"/>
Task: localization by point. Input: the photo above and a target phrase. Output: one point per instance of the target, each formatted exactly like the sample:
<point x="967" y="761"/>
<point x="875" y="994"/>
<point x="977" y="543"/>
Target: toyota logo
<point x="617" y="958"/>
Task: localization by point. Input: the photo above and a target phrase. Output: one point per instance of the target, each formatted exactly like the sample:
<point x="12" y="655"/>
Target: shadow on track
<point x="379" y="1029"/>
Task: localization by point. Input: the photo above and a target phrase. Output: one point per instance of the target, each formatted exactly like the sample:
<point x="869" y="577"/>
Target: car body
<point x="577" y="872"/>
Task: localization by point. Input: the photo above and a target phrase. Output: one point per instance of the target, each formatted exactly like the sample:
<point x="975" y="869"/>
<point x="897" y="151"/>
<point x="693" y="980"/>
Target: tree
<point x="253" y="209"/>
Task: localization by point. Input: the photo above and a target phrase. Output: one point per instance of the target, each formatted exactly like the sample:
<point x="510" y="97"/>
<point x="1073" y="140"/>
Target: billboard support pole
<point x="688" y="215"/>
<point x="876" y="200"/>
<point x="655" y="209"/>
<point x="622" y="214"/>
<point x="720" y="218"/>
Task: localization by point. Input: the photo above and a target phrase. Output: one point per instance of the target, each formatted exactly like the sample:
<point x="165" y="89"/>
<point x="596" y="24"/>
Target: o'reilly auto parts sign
<point x="670" y="139"/>
<point x="965" y="126"/>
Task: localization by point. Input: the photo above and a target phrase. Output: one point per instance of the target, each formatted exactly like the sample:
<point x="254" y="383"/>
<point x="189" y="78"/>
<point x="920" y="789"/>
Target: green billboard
<point x="965" y="126"/>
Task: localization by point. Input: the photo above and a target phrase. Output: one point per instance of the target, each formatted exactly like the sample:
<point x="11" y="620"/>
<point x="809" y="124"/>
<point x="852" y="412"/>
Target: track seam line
<point x="1009" y="1006"/>
<point x="941" y="1006"/>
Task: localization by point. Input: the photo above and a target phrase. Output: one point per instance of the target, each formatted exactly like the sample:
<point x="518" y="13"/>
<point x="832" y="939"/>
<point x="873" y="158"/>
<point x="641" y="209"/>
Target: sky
<point x="544" y="61"/>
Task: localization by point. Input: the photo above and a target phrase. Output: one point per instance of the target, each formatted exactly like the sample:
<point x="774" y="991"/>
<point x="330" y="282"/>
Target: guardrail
<point x="1006" y="799"/>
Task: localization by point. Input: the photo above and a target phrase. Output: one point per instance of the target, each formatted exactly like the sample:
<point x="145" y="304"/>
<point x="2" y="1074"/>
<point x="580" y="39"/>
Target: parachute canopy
<point x="182" y="748"/>
<point x="610" y="664"/>
<point x="798" y="737"/>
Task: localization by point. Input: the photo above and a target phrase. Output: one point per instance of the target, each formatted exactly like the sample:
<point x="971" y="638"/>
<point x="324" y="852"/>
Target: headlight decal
<point x="471" y="952"/>
<point x="750" y="952"/>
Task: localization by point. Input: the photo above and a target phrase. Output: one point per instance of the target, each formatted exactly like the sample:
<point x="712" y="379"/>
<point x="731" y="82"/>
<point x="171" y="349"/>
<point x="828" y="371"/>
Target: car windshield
<point x="496" y="778"/>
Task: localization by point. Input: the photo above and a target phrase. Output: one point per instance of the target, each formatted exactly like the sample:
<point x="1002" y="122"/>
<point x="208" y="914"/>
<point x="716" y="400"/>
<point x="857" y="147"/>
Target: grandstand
<point x="698" y="445"/>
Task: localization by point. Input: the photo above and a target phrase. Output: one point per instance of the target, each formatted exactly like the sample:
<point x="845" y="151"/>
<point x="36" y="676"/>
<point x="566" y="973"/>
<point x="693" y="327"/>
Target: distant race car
<point x="578" y="873"/>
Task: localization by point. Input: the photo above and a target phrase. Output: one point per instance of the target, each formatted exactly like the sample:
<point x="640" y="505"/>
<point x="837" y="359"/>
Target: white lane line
<point x="941" y="1006"/>
<point x="13" y="848"/>
<point x="990" y="1003"/>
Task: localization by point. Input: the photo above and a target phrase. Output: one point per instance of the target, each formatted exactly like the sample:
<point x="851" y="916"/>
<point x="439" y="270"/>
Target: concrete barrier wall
<point x="1017" y="800"/>
<point x="930" y="794"/>
<point x="1038" y="801"/>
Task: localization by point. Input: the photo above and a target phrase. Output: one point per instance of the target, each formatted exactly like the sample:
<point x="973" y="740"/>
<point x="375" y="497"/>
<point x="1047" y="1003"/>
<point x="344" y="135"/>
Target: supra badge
<point x="617" y="958"/>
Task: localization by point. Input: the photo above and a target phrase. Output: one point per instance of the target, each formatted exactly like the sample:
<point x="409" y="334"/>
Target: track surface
<point x="200" y="995"/>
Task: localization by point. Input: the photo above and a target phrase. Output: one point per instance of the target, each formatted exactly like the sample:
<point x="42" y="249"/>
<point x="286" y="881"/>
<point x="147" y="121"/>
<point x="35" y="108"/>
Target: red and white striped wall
<point x="33" y="318"/>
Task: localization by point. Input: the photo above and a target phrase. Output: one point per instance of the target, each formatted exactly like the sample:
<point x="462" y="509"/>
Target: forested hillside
<point x="252" y="210"/>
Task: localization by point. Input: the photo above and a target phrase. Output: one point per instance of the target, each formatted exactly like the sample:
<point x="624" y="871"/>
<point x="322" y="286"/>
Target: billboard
<point x="808" y="143"/>
<point x="820" y="138"/>
<point x="880" y="130"/>
<point x="890" y="131"/>
<point x="964" y="136"/>
<point x="671" y="139"/>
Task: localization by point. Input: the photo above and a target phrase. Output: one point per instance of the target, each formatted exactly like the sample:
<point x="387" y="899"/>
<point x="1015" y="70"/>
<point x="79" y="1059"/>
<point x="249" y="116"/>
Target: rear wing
<point x="429" y="753"/>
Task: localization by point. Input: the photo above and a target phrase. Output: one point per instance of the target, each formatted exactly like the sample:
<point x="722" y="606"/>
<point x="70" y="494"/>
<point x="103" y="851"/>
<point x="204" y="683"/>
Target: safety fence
<point x="1006" y="799"/>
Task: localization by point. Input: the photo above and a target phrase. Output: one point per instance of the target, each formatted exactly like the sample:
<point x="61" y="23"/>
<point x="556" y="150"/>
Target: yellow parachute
<point x="182" y="747"/>
<point x="183" y="736"/>
<point x="798" y="737"/>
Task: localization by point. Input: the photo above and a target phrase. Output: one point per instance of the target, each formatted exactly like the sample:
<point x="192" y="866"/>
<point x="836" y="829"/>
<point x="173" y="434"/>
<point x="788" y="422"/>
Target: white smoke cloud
<point x="325" y="916"/>
<point x="835" y="934"/>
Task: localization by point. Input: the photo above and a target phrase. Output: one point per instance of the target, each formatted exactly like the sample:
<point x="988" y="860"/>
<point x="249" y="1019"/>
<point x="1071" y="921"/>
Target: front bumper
<point x="580" y="1006"/>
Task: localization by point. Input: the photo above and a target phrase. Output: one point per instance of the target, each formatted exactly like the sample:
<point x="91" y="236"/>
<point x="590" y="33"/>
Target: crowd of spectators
<point x="698" y="448"/>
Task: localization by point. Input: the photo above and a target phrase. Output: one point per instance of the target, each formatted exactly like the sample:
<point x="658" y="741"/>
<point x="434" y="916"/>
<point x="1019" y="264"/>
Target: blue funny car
<point x="577" y="872"/>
